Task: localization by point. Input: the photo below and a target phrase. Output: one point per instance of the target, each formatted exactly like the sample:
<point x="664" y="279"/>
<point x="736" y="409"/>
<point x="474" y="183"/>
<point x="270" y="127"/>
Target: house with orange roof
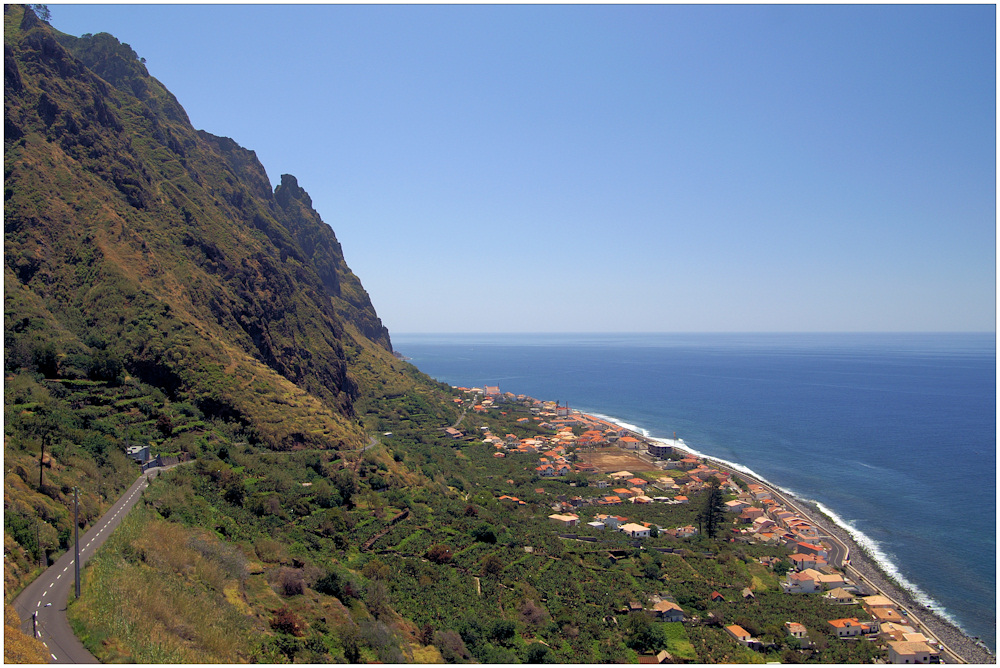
<point x="819" y="549"/>
<point x="850" y="628"/>
<point x="609" y="500"/>
<point x="799" y="583"/>
<point x="629" y="442"/>
<point x="637" y="482"/>
<point x="623" y="492"/>
<point x="883" y="615"/>
<point x="681" y="499"/>
<point x="803" y="561"/>
<point x="740" y="634"/>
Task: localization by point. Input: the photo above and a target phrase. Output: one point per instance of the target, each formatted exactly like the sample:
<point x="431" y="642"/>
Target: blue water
<point x="893" y="434"/>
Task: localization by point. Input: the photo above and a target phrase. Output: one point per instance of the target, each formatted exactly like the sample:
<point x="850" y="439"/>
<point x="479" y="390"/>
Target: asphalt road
<point x="48" y="594"/>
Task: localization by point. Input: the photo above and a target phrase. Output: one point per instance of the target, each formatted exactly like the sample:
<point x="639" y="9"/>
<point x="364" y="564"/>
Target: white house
<point x="736" y="506"/>
<point x="565" y="520"/>
<point x="796" y="630"/>
<point x="849" y="628"/>
<point x="610" y="521"/>
<point x="668" y="611"/>
<point x="799" y="583"/>
<point x="635" y="530"/>
<point x="740" y="634"/>
<point x="910" y="652"/>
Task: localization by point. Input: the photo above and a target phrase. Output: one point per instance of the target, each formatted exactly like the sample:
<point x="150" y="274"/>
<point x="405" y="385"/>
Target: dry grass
<point x="150" y="597"/>
<point x="609" y="460"/>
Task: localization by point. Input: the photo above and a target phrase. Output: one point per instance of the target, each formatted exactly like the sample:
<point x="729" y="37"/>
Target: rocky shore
<point x="875" y="579"/>
<point x="861" y="563"/>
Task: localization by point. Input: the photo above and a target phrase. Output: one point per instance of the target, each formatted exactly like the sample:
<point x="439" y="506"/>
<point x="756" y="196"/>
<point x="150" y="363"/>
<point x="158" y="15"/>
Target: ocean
<point x="893" y="435"/>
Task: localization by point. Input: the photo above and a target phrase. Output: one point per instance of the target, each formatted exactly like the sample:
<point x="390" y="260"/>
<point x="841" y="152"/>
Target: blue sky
<point x="616" y="168"/>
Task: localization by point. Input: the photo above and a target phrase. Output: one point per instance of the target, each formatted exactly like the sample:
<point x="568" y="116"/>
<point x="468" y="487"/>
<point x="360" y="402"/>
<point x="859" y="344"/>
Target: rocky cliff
<point x="134" y="239"/>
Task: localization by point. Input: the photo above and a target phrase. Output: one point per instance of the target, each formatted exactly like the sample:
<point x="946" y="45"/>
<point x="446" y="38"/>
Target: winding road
<point x="47" y="596"/>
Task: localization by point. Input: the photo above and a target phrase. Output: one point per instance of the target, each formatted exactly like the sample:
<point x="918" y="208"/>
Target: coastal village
<point x="566" y="443"/>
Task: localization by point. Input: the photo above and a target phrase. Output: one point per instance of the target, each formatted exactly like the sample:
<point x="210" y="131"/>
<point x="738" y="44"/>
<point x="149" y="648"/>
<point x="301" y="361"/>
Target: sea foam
<point x="871" y="546"/>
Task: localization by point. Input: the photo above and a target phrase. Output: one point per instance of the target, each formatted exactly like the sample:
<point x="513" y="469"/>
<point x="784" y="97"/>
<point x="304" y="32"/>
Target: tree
<point x="713" y="513"/>
<point x="439" y="554"/>
<point x="536" y="652"/>
<point x="484" y="533"/>
<point x="43" y="12"/>
<point x="492" y="565"/>
<point x="643" y="634"/>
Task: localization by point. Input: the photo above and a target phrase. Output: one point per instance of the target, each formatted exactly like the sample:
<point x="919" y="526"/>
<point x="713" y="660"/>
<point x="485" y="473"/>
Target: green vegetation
<point x="159" y="293"/>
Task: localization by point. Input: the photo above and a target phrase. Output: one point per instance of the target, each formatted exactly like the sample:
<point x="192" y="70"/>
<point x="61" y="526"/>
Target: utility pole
<point x="76" y="530"/>
<point x="41" y="466"/>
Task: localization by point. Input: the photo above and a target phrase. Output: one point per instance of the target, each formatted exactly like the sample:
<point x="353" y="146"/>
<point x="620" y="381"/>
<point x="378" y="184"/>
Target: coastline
<point x="860" y="563"/>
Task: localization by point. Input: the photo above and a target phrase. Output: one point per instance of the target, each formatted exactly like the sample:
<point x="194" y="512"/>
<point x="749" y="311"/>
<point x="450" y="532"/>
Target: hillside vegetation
<point x="159" y="292"/>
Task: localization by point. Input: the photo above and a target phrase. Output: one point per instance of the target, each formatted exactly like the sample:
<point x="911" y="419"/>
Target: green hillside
<point x="158" y="292"/>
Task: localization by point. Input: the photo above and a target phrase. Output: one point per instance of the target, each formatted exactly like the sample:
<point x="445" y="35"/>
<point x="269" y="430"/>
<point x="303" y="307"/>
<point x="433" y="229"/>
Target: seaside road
<point x="839" y="556"/>
<point x="47" y="596"/>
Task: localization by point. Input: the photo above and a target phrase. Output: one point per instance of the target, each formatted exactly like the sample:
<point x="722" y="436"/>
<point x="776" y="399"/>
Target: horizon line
<point x="699" y="332"/>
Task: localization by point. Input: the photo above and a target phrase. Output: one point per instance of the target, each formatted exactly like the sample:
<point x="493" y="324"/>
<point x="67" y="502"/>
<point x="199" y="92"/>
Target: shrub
<point x="484" y="533"/>
<point x="452" y="647"/>
<point x="536" y="652"/>
<point x="286" y="621"/>
<point x="290" y="582"/>
<point x="532" y="613"/>
<point x="439" y="554"/>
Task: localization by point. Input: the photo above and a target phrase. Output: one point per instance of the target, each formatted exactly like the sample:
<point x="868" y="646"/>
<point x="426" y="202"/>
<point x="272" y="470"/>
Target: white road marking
<point x="66" y="569"/>
<point x="39" y="604"/>
<point x="53" y="657"/>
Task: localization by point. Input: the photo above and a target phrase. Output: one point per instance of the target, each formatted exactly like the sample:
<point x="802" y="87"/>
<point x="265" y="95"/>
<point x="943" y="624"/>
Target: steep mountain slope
<point x="135" y="240"/>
